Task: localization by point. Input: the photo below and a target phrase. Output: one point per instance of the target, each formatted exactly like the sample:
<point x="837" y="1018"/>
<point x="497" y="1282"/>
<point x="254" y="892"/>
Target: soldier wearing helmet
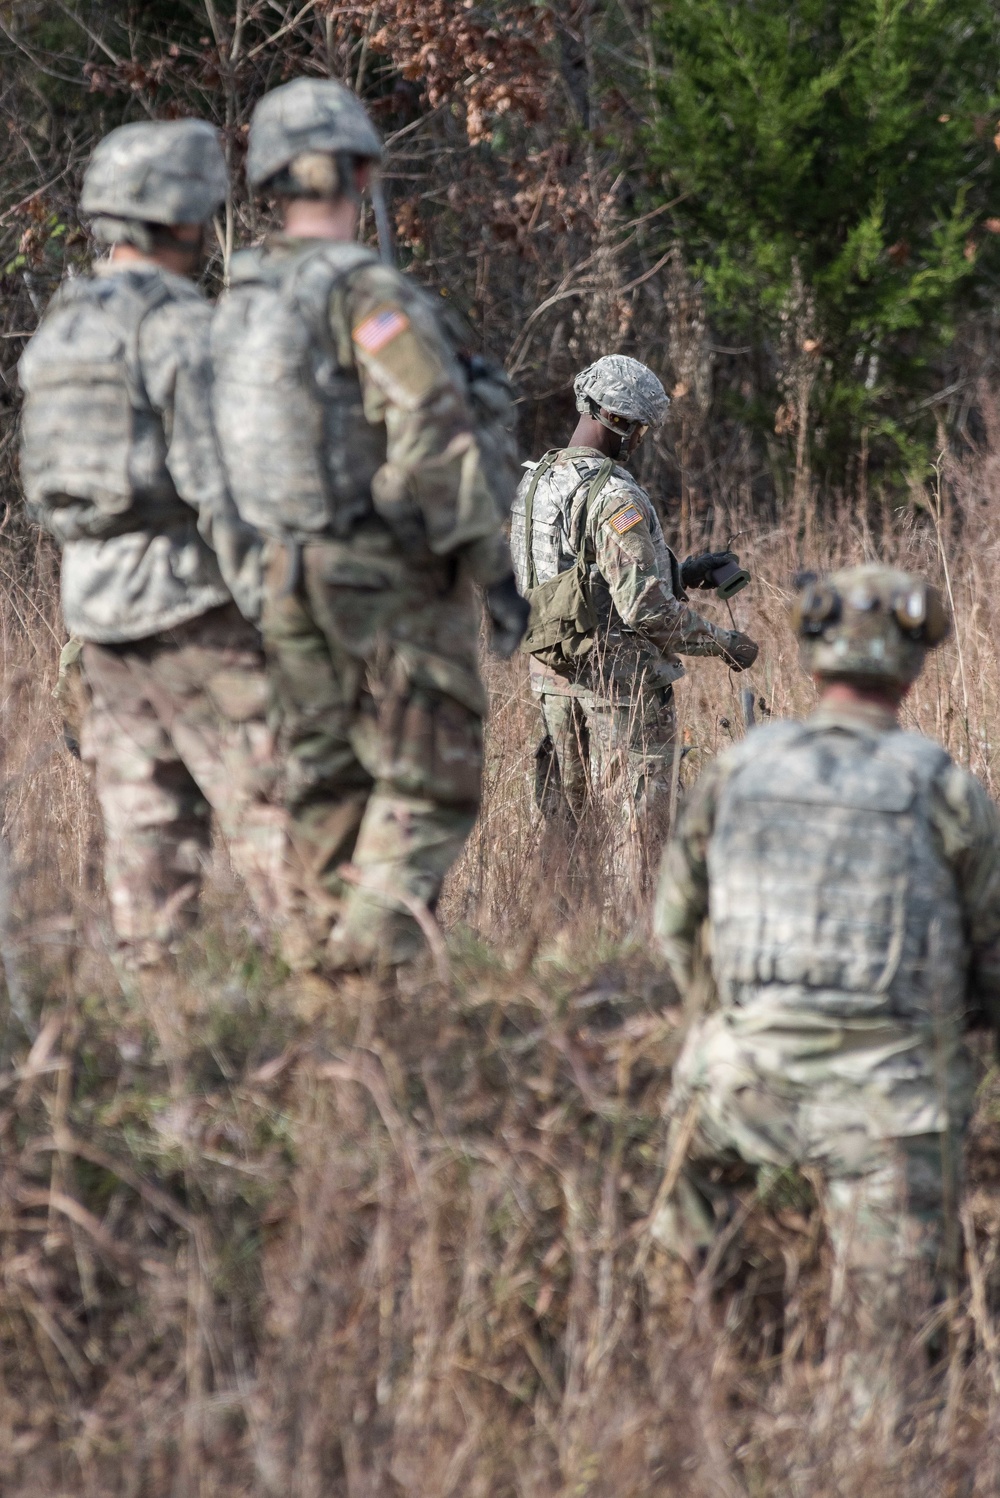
<point x="348" y="435"/>
<point x="609" y="618"/>
<point x="844" y="876"/>
<point x="120" y="465"/>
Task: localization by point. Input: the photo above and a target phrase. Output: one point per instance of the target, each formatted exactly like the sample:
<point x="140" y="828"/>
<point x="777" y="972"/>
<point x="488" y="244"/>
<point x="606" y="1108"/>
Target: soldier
<point x="346" y="429"/>
<point x="119" y="464"/>
<point x="609" y="618"/>
<point x="845" y="878"/>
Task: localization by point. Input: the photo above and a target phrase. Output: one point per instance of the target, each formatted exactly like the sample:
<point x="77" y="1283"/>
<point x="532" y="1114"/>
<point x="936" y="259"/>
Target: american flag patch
<point x="379" y="328"/>
<point x="625" y="519"/>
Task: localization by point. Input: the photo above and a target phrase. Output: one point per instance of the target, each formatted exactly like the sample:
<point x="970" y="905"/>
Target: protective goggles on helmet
<point x="918" y="610"/>
<point x="622" y="426"/>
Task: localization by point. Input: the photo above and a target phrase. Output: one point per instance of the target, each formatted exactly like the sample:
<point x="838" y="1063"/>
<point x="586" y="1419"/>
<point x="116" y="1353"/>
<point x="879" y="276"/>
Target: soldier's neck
<point x="590" y="433"/>
<point x="848" y="694"/>
<point x="321" y="218"/>
<point x="179" y="262"/>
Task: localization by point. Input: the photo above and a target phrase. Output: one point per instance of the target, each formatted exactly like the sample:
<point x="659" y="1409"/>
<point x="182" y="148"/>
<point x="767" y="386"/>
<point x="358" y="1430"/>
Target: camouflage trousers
<point x="606" y="746"/>
<point x="613" y="754"/>
<point x="374" y="668"/>
<point x="175" y="727"/>
<point x="869" y="1124"/>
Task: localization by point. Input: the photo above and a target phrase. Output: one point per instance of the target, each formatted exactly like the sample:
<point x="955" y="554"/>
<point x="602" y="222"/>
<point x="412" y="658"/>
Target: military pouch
<point x="561" y="613"/>
<point x="563" y="619"/>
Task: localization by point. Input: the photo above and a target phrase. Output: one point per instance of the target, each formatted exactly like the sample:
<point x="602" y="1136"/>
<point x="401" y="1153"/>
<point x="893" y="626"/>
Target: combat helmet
<point x="300" y="131"/>
<point x="869" y="623"/>
<point x="155" y="172"/>
<point x="621" y="394"/>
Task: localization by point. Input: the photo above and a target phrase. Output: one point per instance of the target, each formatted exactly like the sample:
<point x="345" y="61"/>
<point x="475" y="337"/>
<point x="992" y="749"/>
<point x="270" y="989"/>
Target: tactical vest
<point x="563" y="619"/>
<point x="298" y="449"/>
<point x="550" y="549"/>
<point x="826" y="879"/>
<point x="88" y="429"/>
<point x="554" y="577"/>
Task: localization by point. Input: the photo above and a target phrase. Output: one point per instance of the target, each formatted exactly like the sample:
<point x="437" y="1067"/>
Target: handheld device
<point x="729" y="579"/>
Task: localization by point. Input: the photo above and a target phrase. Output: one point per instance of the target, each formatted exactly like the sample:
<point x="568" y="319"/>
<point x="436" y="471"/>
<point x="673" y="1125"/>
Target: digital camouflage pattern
<point x="835" y="888"/>
<point x="306" y="115"/>
<point x="302" y="466"/>
<point x="156" y="172"/>
<point x="623" y="386"/>
<point x="371" y="628"/>
<point x="634" y="581"/>
<point x="119" y="460"/>
<point x="175" y="728"/>
<point x="383" y="407"/>
<point x="642" y="629"/>
<point x="802" y="814"/>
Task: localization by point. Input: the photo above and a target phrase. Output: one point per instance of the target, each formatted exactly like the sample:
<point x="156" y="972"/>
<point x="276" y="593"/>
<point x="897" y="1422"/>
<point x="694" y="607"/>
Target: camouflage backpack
<point x="89" y="431"/>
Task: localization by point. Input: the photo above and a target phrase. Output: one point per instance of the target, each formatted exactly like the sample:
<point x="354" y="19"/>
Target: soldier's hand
<point x="508" y="613"/>
<point x="741" y="651"/>
<point x="696" y="572"/>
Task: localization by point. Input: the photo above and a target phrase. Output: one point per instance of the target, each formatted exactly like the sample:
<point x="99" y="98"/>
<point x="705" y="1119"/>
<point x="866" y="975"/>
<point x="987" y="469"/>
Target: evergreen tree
<point x="839" y="160"/>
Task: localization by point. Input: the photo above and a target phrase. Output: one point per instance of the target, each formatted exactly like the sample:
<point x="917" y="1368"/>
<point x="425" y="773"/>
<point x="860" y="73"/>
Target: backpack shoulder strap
<point x="306" y="280"/>
<point x="311" y="279"/>
<point x="136" y="302"/>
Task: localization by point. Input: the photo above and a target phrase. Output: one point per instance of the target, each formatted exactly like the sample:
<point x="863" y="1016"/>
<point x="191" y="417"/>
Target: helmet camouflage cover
<point x="623" y="387"/>
<point x="304" y="116"/>
<point x="156" y="172"/>
<point x="872" y="622"/>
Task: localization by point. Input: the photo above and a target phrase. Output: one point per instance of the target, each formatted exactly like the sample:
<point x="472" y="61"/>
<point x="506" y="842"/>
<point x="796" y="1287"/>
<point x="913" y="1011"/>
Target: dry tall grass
<point x="395" y="1242"/>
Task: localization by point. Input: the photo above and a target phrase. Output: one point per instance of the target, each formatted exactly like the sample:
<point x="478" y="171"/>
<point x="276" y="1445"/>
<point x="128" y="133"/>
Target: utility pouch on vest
<point x="562" y="623"/>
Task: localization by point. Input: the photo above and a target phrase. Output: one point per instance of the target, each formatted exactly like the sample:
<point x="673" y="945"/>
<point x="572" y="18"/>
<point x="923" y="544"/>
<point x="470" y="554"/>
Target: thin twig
<point x="937" y="515"/>
<point x="282" y="30"/>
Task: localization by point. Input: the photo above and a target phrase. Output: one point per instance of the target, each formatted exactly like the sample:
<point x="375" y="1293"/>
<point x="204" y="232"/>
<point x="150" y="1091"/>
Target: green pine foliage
<point x="840" y="170"/>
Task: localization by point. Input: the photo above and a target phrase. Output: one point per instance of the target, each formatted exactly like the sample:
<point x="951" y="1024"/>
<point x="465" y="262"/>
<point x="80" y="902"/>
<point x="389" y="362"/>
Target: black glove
<point x="696" y="572"/>
<point x="741" y="651"/>
<point x="508" y="613"/>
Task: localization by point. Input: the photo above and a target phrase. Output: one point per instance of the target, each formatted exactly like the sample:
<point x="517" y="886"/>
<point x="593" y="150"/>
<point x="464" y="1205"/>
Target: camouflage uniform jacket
<point x="643" y="622"/>
<point x="390" y="428"/>
<point x="949" y="862"/>
<point x="156" y="554"/>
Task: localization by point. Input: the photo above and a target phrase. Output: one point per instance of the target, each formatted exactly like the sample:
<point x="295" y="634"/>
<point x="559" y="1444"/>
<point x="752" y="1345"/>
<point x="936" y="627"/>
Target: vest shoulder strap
<point x="597" y="484"/>
<point x="134" y="300"/>
<point x="305" y="280"/>
<point x="542" y="467"/>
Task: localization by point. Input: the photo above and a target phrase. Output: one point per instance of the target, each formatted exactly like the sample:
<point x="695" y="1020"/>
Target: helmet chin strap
<point x="619" y="426"/>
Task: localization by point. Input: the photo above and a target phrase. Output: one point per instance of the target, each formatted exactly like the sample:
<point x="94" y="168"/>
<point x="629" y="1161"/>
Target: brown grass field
<point x="265" y="1241"/>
